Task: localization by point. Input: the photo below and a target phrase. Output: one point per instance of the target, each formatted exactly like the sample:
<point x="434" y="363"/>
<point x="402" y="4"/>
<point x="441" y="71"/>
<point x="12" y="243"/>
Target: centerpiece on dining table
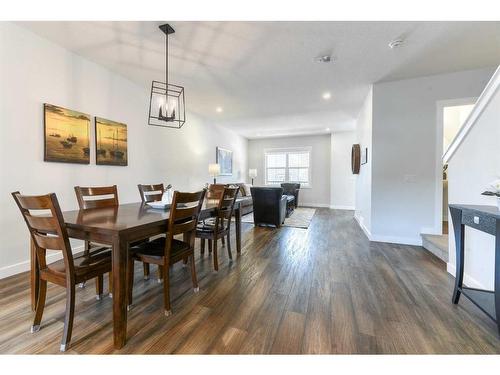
<point x="166" y="199"/>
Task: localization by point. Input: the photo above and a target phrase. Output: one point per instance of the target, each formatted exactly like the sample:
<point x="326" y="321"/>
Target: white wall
<point x="33" y="71"/>
<point x="342" y="181"/>
<point x="363" y="194"/>
<point x="404" y="202"/>
<point x="319" y="192"/>
<point x="473" y="166"/>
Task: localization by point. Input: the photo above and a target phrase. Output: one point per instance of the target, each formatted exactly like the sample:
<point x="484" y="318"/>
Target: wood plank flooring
<point x="322" y="290"/>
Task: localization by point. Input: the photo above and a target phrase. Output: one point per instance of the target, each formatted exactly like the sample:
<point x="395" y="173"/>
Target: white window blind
<point x="288" y="166"/>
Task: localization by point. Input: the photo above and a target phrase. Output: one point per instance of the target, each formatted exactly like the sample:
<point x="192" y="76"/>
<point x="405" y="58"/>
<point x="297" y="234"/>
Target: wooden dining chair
<point x="214" y="193"/>
<point x="151" y="193"/>
<point x="96" y="197"/>
<point x="48" y="232"/>
<point x="218" y="227"/>
<point x="166" y="251"/>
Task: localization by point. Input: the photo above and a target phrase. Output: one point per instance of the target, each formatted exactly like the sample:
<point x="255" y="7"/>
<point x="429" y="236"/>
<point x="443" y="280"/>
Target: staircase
<point x="482" y="102"/>
<point x="437" y="244"/>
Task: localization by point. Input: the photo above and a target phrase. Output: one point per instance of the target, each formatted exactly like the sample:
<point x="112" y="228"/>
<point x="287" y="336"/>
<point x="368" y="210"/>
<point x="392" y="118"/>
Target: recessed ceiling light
<point x="327" y="95"/>
<point x="218" y="109"/>
<point x="324" y="59"/>
<point x="396" y="43"/>
<point x="327" y="129"/>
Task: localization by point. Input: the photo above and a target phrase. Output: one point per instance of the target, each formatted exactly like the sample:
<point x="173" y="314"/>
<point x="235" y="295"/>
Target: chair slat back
<point x="48" y="231"/>
<point x="96" y="197"/>
<point x="226" y="205"/>
<point x="151" y="193"/>
<point x="215" y="191"/>
<point x="184" y="214"/>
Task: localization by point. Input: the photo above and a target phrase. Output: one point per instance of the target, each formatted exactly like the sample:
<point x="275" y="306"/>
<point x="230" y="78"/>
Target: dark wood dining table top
<point x="124" y="217"/>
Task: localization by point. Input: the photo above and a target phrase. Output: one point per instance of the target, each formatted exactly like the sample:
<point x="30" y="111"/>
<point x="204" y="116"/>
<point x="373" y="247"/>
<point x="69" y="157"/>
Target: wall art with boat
<point x="67" y="135"/>
<point x="111" y="142"/>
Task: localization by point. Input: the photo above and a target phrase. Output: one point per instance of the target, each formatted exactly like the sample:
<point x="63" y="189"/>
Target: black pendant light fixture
<point x="166" y="104"/>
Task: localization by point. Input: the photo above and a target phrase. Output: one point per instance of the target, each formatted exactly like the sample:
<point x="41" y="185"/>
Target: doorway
<point x="451" y="116"/>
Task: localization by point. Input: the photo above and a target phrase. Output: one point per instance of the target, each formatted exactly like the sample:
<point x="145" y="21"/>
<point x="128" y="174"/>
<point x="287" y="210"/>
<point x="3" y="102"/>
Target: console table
<point x="485" y="219"/>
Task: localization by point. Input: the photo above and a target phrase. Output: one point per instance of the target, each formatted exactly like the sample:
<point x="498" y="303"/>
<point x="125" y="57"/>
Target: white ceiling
<point x="262" y="73"/>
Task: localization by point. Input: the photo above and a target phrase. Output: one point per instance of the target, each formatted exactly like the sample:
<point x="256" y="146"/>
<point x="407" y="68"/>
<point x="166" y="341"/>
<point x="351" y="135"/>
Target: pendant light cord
<point x="166" y="74"/>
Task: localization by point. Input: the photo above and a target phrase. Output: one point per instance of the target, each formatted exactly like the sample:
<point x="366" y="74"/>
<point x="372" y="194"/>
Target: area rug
<point x="300" y="218"/>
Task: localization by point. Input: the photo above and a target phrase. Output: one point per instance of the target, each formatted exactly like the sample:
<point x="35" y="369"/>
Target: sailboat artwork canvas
<point x="67" y="137"/>
<point x="111" y="142"/>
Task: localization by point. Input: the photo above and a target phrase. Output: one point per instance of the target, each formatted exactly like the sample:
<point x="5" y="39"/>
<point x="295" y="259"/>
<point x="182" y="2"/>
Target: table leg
<point x="497" y="275"/>
<point x="34" y="275"/>
<point x="237" y="223"/>
<point x="120" y="253"/>
<point x="458" y="229"/>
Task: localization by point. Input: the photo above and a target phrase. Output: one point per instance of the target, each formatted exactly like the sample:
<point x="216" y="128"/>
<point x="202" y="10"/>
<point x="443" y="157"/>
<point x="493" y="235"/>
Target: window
<point x="291" y="165"/>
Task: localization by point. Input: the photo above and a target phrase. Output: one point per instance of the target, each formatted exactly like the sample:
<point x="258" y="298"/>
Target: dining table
<point x="118" y="227"/>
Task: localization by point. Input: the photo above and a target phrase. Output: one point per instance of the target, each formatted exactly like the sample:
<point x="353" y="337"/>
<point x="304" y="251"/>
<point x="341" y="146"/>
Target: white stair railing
<point x="488" y="93"/>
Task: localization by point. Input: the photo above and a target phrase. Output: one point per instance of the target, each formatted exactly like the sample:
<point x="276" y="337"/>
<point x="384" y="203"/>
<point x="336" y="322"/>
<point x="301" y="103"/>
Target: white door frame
<point x="438" y="196"/>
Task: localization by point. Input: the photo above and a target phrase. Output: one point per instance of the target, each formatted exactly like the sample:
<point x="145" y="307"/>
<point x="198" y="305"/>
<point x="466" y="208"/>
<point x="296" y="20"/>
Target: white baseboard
<point x="388" y="239"/>
<point x="316" y="205"/>
<point x="469" y="281"/>
<point x="340" y="207"/>
<point x="360" y="221"/>
<point x="14" y="269"/>
<point x="430" y="230"/>
<point x="417" y="241"/>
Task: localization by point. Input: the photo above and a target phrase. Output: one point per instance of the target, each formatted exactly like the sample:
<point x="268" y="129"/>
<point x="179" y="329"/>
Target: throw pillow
<point x="247" y="187"/>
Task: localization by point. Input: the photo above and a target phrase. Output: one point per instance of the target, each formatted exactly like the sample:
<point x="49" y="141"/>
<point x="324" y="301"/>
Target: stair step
<point x="437" y="245"/>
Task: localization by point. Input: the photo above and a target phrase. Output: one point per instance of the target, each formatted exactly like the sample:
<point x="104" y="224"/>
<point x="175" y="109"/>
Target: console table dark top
<point x="486" y="210"/>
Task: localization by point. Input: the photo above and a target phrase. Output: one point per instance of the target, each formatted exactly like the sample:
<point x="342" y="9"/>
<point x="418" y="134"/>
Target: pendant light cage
<point x="166" y="103"/>
<point x="175" y="114"/>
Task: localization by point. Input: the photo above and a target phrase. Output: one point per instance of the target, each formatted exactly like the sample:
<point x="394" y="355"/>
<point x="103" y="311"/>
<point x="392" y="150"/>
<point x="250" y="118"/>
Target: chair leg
<point x="223" y="241"/>
<point x="196" y="288"/>
<point x="130" y="281"/>
<point x="40" y="305"/>
<point x="229" y="246"/>
<point x="145" y="267"/>
<point x="110" y="284"/>
<point x="202" y="246"/>
<point x="185" y="262"/>
<point x="161" y="273"/>
<point x="99" y="280"/>
<point x="166" y="290"/>
<point x="216" y="260"/>
<point x="86" y="247"/>
<point x="68" y="319"/>
<point x="86" y="250"/>
<point x="210" y="246"/>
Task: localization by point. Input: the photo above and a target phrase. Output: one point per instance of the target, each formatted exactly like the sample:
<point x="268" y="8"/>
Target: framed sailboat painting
<point x="67" y="138"/>
<point x="111" y="142"/>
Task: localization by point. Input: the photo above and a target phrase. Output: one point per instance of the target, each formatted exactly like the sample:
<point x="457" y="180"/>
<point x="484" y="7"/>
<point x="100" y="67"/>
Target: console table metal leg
<point x="458" y="229"/>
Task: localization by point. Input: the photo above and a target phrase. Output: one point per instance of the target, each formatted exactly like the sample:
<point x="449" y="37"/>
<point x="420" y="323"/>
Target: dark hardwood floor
<point x="322" y="290"/>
